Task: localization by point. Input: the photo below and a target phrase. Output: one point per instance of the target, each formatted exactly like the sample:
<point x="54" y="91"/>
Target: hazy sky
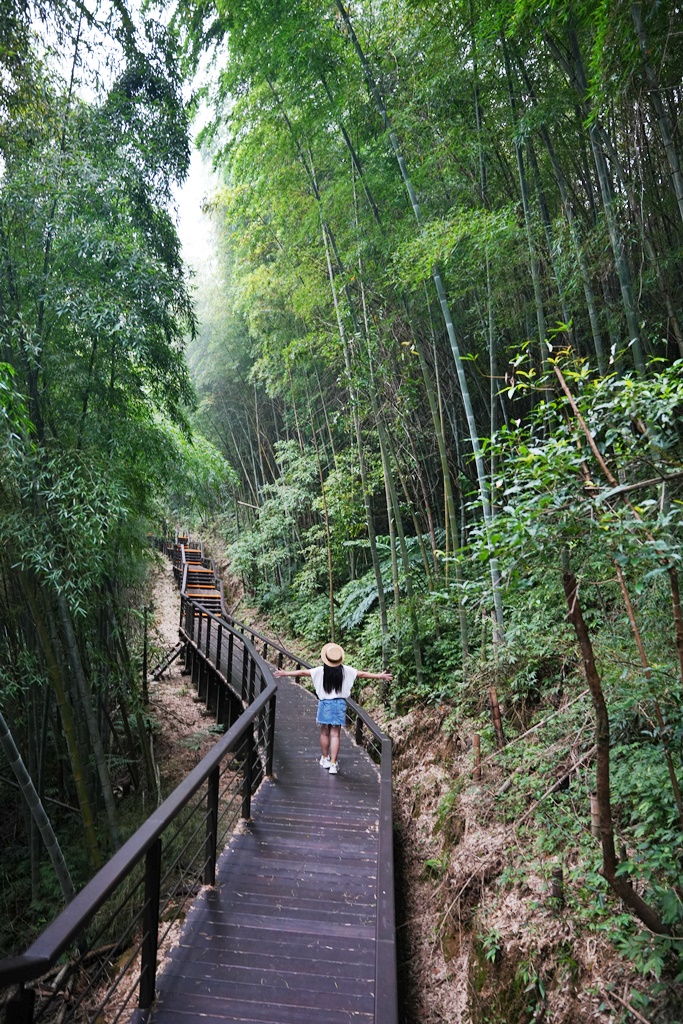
<point x="194" y="227"/>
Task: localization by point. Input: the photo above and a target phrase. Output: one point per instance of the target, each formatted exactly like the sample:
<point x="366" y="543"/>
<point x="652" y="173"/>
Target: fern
<point x="359" y="596"/>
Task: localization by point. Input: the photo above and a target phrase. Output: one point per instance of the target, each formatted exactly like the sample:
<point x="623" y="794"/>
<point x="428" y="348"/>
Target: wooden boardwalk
<point x="287" y="936"/>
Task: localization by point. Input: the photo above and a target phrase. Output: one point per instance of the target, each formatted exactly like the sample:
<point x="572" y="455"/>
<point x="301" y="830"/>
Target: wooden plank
<point x="283" y="925"/>
<point x="254" y="1013"/>
<point x="351" y="903"/>
<point x="271" y="988"/>
<point x="274" y="975"/>
<point x="307" y="891"/>
<point x="313" y="953"/>
<point x="284" y="875"/>
<point x="308" y="894"/>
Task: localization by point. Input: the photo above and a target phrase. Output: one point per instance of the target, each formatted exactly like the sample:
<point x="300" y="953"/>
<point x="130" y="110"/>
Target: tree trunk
<point x="548" y="232"/>
<point x="372" y="539"/>
<point x="606" y="191"/>
<point x="589" y="295"/>
<point x="449" y="501"/>
<point x="328" y="537"/>
<point x="620" y="885"/>
<point x="533" y="257"/>
<point x="395" y="511"/>
<point x="354" y="156"/>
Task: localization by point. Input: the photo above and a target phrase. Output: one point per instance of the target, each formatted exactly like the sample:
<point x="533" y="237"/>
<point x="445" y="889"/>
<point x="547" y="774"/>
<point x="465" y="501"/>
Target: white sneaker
<point x="325" y="762"/>
<point x="334" y="767"/>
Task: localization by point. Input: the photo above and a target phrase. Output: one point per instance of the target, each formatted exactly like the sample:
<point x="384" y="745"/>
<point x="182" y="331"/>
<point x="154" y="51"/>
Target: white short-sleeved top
<point x="347" y="683"/>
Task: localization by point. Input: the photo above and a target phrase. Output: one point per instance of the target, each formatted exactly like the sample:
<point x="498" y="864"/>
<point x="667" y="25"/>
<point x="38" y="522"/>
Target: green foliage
<point x="463" y="238"/>
<point x="491" y="945"/>
<point x="306" y="617"/>
<point x="435" y="867"/>
<point x="359" y="596"/>
<point x="356" y="599"/>
<point x="197" y="477"/>
<point x="15" y="421"/>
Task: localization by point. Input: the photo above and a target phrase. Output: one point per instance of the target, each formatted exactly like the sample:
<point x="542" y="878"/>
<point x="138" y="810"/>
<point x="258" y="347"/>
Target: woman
<point x="332" y="682"/>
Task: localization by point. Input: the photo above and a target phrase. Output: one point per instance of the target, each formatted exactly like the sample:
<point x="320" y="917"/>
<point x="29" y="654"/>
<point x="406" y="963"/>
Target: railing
<point x="113" y="930"/>
<point x="378" y="746"/>
<point x="115" y="927"/>
<point x="225" y="669"/>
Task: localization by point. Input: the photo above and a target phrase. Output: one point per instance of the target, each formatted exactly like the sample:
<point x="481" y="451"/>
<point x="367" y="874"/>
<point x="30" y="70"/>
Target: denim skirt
<point x="331" y="712"/>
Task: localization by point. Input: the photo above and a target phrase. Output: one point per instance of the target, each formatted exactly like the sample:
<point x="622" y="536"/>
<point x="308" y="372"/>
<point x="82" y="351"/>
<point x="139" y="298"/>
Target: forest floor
<point x="451" y="849"/>
<point x="180" y="724"/>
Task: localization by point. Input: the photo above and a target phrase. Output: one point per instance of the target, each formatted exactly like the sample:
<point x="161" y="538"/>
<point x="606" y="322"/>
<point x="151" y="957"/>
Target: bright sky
<point x="194" y="227"/>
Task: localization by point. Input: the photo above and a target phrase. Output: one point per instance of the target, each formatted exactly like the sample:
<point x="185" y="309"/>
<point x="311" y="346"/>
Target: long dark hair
<point x="333" y="677"/>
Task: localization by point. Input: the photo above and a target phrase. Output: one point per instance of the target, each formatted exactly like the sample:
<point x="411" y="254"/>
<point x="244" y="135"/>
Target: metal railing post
<point x="386" y="991"/>
<point x="200" y="617"/>
<point x="150" y="926"/>
<point x="196" y="668"/>
<point x="19" y="1008"/>
<point x="228" y="667"/>
<point x="270" y="744"/>
<point x="248" y="772"/>
<point x="220" y="703"/>
<point x="243" y="688"/>
<point x="219" y="644"/>
<point x="209" y="872"/>
<point x="252" y="682"/>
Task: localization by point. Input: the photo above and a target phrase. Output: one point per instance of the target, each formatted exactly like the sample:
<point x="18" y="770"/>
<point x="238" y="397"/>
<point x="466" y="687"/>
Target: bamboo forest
<point x="370" y="311"/>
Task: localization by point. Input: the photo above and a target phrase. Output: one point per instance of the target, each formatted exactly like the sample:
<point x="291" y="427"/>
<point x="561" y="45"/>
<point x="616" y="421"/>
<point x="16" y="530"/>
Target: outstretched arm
<point x="291" y="672"/>
<point x="374" y="675"/>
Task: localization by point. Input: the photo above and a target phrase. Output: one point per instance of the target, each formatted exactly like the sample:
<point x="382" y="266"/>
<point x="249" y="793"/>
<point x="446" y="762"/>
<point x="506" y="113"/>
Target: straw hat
<point x="332" y="655"/>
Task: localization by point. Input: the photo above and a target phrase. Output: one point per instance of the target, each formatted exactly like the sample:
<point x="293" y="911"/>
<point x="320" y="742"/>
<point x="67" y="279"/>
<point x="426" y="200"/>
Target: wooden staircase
<point x="196" y="576"/>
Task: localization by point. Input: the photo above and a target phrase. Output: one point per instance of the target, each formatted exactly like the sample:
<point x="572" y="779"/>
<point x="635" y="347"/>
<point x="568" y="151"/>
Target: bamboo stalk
<point x="495" y="715"/>
<point x="557" y="888"/>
